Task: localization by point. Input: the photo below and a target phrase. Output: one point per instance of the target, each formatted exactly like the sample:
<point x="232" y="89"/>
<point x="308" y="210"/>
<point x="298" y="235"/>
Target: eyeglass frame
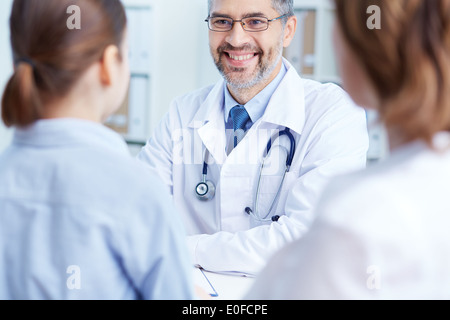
<point x="243" y="24"/>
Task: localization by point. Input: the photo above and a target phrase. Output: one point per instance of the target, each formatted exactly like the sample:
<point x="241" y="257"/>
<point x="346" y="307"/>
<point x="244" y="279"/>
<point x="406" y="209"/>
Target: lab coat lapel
<point x="286" y="108"/>
<point x="210" y="125"/>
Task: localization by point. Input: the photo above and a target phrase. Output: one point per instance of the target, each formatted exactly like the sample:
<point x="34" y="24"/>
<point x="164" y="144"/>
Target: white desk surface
<point x="229" y="287"/>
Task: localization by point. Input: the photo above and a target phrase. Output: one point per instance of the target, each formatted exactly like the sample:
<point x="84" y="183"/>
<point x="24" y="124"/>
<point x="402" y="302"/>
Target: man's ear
<point x="289" y="31"/>
<point x="107" y="64"/>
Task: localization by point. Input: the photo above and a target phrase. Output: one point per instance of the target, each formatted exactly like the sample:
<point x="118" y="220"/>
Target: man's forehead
<point x="241" y="7"/>
<point x="243" y="16"/>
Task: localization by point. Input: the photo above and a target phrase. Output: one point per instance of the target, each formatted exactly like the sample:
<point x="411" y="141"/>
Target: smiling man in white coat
<point x="241" y="203"/>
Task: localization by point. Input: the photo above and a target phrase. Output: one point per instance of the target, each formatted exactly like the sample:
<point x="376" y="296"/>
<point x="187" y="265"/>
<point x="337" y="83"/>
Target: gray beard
<point x="262" y="73"/>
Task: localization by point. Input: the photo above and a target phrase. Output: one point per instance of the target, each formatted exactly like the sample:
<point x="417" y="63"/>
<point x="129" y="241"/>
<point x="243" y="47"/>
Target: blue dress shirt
<point x="81" y="219"/>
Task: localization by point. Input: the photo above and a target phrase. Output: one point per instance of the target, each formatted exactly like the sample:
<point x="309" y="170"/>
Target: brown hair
<point x="407" y="61"/>
<point x="49" y="57"/>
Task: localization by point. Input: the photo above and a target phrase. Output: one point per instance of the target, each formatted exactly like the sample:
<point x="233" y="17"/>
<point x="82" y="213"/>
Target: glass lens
<point x="220" y="24"/>
<point x="255" y="23"/>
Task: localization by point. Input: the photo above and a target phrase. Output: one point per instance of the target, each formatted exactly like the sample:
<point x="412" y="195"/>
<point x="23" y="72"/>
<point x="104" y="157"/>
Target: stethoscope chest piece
<point x="205" y="191"/>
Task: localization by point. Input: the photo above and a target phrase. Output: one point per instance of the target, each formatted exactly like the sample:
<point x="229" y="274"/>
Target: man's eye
<point x="221" y="22"/>
<point x="255" y="22"/>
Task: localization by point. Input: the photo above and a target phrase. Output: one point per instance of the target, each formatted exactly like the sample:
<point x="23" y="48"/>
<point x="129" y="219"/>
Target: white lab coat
<point x="331" y="138"/>
<point x="379" y="234"/>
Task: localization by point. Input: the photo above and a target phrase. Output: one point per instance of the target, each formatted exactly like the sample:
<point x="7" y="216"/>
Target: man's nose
<point x="237" y="36"/>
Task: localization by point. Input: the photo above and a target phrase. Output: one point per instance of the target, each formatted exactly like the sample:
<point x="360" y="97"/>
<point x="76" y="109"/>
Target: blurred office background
<point x="169" y="59"/>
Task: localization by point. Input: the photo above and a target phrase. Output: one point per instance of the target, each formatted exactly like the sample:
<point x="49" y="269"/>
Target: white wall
<point x="182" y="58"/>
<point x="5" y="63"/>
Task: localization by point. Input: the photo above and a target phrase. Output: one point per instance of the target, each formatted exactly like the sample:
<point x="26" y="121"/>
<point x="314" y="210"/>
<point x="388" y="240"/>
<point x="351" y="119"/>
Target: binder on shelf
<point x="301" y="53"/>
<point x="119" y="121"/>
<point x="132" y="117"/>
<point x="140" y="39"/>
<point x="131" y="120"/>
<point x="138" y="106"/>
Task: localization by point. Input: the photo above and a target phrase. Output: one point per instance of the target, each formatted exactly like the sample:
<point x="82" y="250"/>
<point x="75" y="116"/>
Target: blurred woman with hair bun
<point x="383" y="233"/>
<point x="79" y="217"/>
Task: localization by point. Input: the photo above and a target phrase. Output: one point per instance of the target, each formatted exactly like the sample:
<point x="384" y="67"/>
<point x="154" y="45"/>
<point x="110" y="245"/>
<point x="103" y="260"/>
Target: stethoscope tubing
<point x="285" y="132"/>
<point x="210" y="187"/>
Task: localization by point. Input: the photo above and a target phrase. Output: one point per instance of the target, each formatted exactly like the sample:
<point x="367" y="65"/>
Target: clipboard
<point x="202" y="281"/>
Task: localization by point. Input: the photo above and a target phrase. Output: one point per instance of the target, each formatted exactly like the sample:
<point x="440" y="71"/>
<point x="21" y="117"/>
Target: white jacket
<point x="379" y="234"/>
<point x="331" y="138"/>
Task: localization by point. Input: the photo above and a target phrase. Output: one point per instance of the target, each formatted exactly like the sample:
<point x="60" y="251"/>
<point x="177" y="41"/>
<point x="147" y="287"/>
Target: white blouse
<point x="382" y="233"/>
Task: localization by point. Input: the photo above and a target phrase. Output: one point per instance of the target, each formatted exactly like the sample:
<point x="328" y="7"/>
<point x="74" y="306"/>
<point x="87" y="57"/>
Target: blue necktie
<point x="240" y="118"/>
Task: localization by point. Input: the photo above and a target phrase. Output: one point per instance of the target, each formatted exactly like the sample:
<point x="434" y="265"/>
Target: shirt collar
<point x="257" y="106"/>
<point x="70" y="132"/>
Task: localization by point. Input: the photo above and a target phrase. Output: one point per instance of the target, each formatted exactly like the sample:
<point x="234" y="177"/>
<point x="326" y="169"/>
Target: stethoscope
<point x="206" y="189"/>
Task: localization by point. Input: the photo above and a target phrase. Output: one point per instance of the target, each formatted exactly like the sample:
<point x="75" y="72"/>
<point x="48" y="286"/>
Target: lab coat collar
<point x="70" y="132"/>
<point x="286" y="108"/>
<point x="208" y="110"/>
<point x="210" y="124"/>
<point x="440" y="144"/>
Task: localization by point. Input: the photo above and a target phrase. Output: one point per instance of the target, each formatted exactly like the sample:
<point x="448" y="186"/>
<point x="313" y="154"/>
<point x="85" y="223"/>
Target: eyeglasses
<point x="251" y="24"/>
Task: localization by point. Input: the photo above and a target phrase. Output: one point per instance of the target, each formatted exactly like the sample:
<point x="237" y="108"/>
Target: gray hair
<point x="281" y="6"/>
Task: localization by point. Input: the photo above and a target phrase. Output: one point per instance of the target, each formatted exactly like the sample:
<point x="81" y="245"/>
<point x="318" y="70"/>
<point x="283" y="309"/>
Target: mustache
<point x="229" y="47"/>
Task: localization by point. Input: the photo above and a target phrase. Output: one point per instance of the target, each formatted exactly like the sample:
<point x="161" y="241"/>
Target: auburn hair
<point x="407" y="61"/>
<point x="50" y="57"/>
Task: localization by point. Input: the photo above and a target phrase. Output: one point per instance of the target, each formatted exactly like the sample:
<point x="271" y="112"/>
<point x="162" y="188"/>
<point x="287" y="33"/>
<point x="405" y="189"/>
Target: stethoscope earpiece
<point x="250" y="213"/>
